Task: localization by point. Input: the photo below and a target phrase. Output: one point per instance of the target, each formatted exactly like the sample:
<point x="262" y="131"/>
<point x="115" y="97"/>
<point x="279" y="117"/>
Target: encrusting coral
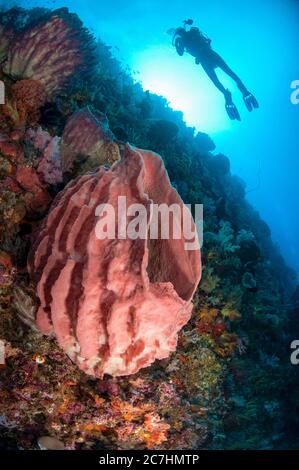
<point x="26" y="99"/>
<point x="49" y="158"/>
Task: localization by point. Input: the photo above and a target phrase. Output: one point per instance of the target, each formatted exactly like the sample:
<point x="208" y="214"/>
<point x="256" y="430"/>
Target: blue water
<point x="260" y="41"/>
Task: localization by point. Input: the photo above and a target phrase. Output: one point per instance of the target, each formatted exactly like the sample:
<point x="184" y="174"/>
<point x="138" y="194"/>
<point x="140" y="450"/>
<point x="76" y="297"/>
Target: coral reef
<point x="50" y="51"/>
<point x="49" y="160"/>
<point x="27" y="97"/>
<point x="115" y="305"/>
<point x="248" y="281"/>
<point x="229" y="384"/>
<point x="23" y="193"/>
<point x="6" y="37"/>
<point x="87" y="134"/>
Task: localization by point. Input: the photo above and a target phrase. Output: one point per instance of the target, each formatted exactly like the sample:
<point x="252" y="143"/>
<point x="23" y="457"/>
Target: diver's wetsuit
<point x="197" y="45"/>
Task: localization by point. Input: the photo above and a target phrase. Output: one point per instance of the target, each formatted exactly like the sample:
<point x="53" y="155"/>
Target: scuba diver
<point x="194" y="42"/>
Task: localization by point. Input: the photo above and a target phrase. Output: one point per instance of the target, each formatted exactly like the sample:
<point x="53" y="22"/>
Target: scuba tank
<point x="192" y="41"/>
<point x="178" y="41"/>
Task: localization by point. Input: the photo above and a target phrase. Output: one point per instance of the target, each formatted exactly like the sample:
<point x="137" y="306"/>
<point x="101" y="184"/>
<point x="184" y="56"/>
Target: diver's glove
<point x="231" y="108"/>
<point x="250" y="101"/>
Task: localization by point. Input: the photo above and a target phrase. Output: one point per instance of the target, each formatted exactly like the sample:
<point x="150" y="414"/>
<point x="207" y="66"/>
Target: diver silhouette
<point x="195" y="43"/>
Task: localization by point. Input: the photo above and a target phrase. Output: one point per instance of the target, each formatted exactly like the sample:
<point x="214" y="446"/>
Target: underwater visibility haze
<point x="126" y="342"/>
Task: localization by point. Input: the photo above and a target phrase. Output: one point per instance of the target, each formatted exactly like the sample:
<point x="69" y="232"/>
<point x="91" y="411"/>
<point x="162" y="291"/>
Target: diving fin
<point x="250" y="101"/>
<point x="231" y="108"/>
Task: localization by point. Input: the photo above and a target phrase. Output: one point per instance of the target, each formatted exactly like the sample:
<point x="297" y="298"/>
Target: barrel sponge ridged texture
<point x="50" y="51"/>
<point x="85" y="134"/>
<point x="114" y="305"/>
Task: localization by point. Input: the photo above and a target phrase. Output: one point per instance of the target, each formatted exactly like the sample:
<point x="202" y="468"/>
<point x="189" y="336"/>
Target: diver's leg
<point x="210" y="71"/>
<point x="223" y="65"/>
<point x="229" y="105"/>
<point x="249" y="99"/>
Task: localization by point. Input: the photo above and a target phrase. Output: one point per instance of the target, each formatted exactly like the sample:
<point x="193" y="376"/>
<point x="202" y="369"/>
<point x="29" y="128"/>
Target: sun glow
<point x="186" y="87"/>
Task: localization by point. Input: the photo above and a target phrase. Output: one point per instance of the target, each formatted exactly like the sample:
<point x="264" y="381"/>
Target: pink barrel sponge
<point x="114" y="305"/>
<point x="86" y="133"/>
<point x="50" y="51"/>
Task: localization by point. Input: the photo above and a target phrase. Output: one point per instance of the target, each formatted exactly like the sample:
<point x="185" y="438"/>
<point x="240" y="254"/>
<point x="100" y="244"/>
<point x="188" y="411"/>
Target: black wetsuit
<point x="199" y="46"/>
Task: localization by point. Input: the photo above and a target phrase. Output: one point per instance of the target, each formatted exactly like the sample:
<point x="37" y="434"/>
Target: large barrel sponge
<point x="114" y="305"/>
<point x="50" y="52"/>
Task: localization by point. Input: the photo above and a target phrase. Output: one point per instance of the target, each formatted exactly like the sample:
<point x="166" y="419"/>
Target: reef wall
<point x="226" y="384"/>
